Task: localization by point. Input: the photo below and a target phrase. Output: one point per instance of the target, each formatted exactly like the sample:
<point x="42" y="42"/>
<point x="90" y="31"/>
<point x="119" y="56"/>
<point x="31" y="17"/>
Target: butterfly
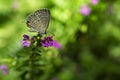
<point x="38" y="21"/>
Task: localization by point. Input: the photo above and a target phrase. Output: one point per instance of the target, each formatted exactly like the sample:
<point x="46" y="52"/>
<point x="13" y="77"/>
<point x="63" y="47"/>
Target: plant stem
<point x="32" y="65"/>
<point x="33" y="57"/>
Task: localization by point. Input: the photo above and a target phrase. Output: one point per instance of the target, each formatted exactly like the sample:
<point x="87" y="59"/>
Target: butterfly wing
<point x="39" y="21"/>
<point x="31" y="22"/>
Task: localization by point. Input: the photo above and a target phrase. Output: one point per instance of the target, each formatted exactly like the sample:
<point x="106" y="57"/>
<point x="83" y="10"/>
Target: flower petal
<point x="26" y="37"/>
<point x="26" y="43"/>
<point x="57" y="45"/>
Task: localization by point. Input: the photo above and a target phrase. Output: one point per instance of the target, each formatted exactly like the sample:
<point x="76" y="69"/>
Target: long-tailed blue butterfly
<point x="38" y="21"/>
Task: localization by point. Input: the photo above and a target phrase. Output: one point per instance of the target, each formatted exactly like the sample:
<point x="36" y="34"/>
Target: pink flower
<point x="57" y="45"/>
<point x="4" y="69"/>
<point x="48" y="42"/>
<point x="94" y="2"/>
<point x="26" y="41"/>
<point x="85" y="10"/>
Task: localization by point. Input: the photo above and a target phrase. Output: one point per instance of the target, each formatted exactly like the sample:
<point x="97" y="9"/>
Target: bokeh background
<point x="90" y="43"/>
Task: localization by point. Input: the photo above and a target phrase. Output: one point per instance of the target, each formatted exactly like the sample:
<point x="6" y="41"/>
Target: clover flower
<point x="4" y="69"/>
<point x="49" y="42"/>
<point x="85" y="10"/>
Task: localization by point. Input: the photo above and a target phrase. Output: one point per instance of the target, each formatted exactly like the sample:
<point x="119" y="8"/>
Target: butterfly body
<point x="38" y="21"/>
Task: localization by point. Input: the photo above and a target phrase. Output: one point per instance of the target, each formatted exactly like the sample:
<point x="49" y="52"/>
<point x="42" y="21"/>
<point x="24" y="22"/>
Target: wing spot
<point x="28" y="23"/>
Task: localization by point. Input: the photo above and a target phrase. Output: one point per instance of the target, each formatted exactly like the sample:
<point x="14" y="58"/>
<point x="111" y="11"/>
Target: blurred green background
<point x="91" y="44"/>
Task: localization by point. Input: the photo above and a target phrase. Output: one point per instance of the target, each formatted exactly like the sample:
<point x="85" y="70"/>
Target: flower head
<point x="26" y="41"/>
<point x="4" y="69"/>
<point x="48" y="42"/>
<point x="94" y="2"/>
<point x="85" y="10"/>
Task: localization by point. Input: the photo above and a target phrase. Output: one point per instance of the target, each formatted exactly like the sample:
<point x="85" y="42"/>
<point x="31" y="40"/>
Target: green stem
<point x="32" y="66"/>
<point x="33" y="58"/>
